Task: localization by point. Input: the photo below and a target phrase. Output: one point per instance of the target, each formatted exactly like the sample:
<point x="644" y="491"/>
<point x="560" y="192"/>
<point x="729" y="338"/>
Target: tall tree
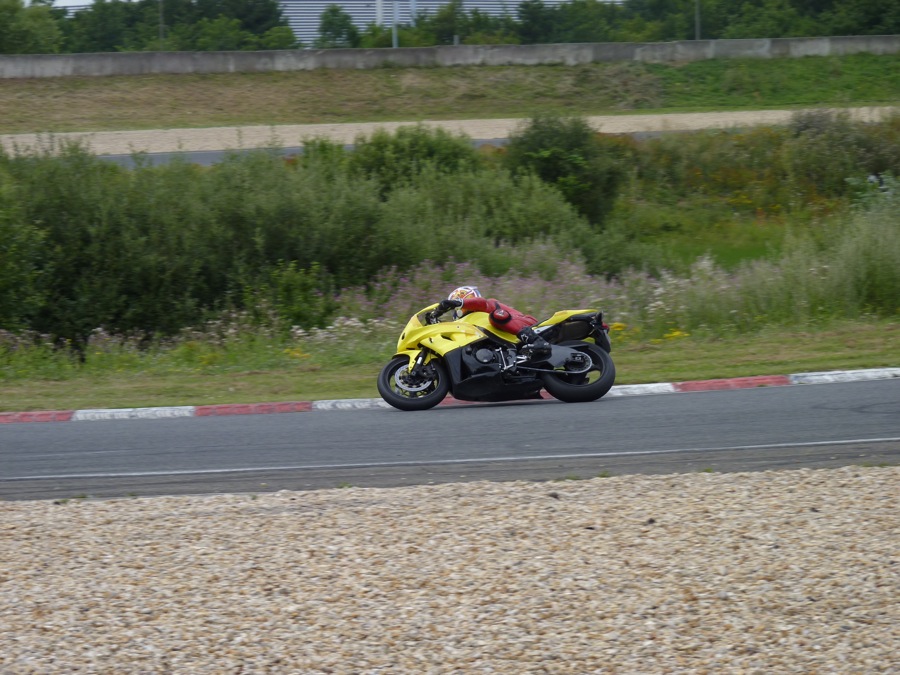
<point x="586" y="21"/>
<point x="256" y="16"/>
<point x="536" y="22"/>
<point x="770" y="19"/>
<point x="336" y="29"/>
<point x="863" y="17"/>
<point x="449" y="23"/>
<point x="116" y="25"/>
<point x="674" y="19"/>
<point x="28" y="30"/>
<point x="105" y="26"/>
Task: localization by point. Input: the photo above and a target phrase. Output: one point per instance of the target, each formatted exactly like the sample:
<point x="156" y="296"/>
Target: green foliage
<point x="646" y="21"/>
<point x="154" y="249"/>
<point x="536" y="22"/>
<point x="279" y="37"/>
<point x="586" y="21"/>
<point x="735" y="83"/>
<point x="567" y="154"/>
<point x="772" y="18"/>
<point x="109" y="25"/>
<point x="848" y="270"/>
<point x="450" y="24"/>
<point x="210" y="35"/>
<point x="20" y="244"/>
<point x="394" y="159"/>
<point x="112" y="25"/>
<point x="300" y="297"/>
<point x="336" y="29"/>
<point x="88" y="245"/>
<point x="28" y="30"/>
<point x="468" y="216"/>
<point x="189" y="25"/>
<point x="826" y="149"/>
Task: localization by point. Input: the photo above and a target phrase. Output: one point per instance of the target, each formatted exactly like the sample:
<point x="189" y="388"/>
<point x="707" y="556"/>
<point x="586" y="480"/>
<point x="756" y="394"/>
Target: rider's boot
<point x="533" y="345"/>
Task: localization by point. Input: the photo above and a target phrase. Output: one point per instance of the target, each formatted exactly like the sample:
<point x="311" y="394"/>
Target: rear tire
<point x="397" y="389"/>
<point x="583" y="387"/>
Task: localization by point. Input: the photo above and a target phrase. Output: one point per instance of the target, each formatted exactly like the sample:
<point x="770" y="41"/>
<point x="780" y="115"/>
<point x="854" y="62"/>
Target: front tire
<point x="403" y="392"/>
<point x="583" y="387"/>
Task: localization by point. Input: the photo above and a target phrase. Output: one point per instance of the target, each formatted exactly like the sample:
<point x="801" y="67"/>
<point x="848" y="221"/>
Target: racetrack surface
<point x="363" y="443"/>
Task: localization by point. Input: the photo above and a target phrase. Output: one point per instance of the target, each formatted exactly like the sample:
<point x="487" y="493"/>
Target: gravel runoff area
<point x="237" y="138"/>
<point x="769" y="573"/>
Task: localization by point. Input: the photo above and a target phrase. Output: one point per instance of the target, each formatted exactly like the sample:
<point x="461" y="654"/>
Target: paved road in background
<point x="749" y="429"/>
<point x="247" y="137"/>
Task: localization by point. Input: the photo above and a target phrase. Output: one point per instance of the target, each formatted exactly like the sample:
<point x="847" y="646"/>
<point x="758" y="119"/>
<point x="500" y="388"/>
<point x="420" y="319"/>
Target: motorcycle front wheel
<point x="586" y="386"/>
<point x="402" y="391"/>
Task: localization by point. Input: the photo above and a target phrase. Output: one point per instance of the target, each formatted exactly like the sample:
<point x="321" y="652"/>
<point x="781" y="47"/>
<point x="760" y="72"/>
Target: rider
<point x="467" y="299"/>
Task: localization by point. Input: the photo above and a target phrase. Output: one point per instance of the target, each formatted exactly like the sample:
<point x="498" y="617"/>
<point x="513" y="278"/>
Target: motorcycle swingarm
<point x="558" y="358"/>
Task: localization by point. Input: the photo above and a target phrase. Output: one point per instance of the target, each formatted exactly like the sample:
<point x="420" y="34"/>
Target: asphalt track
<point x="721" y="425"/>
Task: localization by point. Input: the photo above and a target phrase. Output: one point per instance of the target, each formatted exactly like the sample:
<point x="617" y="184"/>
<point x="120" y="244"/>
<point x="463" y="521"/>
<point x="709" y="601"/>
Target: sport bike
<point x="473" y="361"/>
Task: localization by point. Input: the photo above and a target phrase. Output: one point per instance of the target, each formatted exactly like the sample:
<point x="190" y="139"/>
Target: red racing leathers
<point x="503" y="317"/>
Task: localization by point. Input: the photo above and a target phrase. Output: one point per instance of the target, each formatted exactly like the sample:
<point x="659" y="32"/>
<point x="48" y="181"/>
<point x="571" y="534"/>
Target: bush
<point x="20" y="244"/>
<point x="394" y="159"/>
<point x="567" y="154"/>
<point x="825" y="150"/>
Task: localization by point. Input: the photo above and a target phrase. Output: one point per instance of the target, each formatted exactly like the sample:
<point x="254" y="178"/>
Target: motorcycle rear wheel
<point x="407" y="395"/>
<point x="583" y="387"/>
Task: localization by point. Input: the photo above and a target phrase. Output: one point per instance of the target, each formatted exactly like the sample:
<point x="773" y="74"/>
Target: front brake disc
<point x="401" y="377"/>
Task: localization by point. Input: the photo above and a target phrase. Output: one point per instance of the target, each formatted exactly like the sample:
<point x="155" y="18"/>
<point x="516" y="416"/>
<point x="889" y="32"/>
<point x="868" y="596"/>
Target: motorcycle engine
<point x="485" y="356"/>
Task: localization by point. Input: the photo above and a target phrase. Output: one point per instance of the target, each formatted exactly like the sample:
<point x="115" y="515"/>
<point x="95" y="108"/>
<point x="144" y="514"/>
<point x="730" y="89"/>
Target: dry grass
<point x="414" y="94"/>
<point x="315" y="97"/>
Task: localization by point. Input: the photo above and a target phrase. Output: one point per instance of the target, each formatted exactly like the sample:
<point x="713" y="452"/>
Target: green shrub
<point x="298" y="297"/>
<point x="475" y="216"/>
<point x="567" y="154"/>
<point x="394" y="159"/>
<point x="825" y="150"/>
<point x="21" y="294"/>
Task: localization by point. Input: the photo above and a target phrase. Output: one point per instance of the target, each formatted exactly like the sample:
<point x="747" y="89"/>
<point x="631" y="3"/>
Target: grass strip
<point x="840" y="346"/>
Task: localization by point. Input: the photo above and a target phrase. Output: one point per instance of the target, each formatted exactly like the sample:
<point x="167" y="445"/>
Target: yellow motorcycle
<point x="473" y="361"/>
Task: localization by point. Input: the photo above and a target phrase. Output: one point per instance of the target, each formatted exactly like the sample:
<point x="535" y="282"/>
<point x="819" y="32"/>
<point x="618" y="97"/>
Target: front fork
<point x="418" y="365"/>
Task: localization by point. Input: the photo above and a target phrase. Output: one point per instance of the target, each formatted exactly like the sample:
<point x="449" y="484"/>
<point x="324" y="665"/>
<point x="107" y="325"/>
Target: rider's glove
<point x="446" y="305"/>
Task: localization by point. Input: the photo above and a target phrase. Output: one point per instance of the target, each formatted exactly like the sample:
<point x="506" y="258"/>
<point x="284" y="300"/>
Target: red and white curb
<point x="372" y="403"/>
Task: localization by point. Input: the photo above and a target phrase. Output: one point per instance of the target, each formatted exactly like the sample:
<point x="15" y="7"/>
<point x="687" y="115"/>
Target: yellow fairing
<point x="559" y="317"/>
<point x="442" y="338"/>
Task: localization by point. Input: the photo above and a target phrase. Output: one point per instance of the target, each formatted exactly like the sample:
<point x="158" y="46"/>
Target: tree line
<point x="233" y="25"/>
<point x="143" y="25"/>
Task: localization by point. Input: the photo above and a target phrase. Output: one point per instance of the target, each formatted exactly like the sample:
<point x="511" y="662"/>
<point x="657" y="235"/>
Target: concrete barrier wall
<point x="146" y="63"/>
